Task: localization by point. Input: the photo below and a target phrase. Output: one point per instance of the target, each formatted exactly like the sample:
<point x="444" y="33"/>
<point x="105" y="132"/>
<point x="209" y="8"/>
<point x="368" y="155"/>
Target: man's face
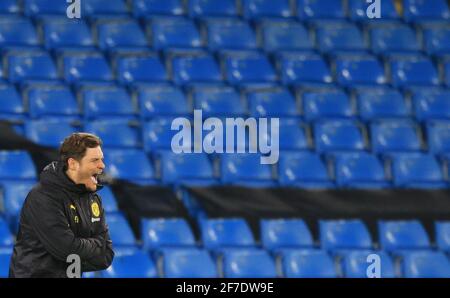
<point x="90" y="166"/>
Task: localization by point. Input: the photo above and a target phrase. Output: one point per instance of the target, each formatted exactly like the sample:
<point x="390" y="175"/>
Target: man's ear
<point x="72" y="164"/>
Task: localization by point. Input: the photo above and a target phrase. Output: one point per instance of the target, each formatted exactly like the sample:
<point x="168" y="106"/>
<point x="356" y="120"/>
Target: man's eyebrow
<point x="96" y="158"/>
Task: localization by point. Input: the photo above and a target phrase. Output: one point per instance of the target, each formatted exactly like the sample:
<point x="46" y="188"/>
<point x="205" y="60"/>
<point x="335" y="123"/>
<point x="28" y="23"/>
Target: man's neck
<point x="71" y="176"/>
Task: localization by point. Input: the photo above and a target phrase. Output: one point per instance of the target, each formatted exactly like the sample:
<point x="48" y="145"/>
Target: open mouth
<point x="94" y="178"/>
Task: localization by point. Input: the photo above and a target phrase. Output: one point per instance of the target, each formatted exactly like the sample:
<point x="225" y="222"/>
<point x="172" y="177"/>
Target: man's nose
<point x="102" y="165"/>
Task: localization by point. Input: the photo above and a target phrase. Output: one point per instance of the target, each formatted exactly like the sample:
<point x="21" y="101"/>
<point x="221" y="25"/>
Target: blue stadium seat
<point x="245" y="168"/>
<point x="308" y="263"/>
<point x="101" y="101"/>
<point x="123" y="32"/>
<point x="417" y="170"/>
<point x="400" y="235"/>
<point x="131" y="263"/>
<point x="410" y="70"/>
<point x="130" y="164"/>
<point x="166" y="232"/>
<point x="48" y="132"/>
<point x="6" y="238"/>
<point x="326" y="103"/>
<point x="161" y="100"/>
<point x="284" y="35"/>
<point x="157" y="134"/>
<point x="174" y="32"/>
<point x="157" y="7"/>
<point x="266" y="8"/>
<point x="381" y="102"/>
<point x="247" y="67"/>
<point x="339" y="36"/>
<point x="431" y="103"/>
<point x="353" y="169"/>
<point x="44" y="7"/>
<point x="360" y="69"/>
<point x="194" y="67"/>
<point x="285" y="233"/>
<point x="120" y="231"/>
<point x="292" y="135"/>
<point x="344" y="234"/>
<point x="30" y="65"/>
<point x="425" y="264"/>
<point x="187" y="263"/>
<point x="229" y="33"/>
<point x="354" y="264"/>
<point x="248" y="263"/>
<point x="274" y="102"/>
<point x="446" y="67"/>
<point x="84" y="66"/>
<point x="108" y="200"/>
<point x="335" y="135"/>
<point x="436" y="38"/>
<point x="17" y="31"/>
<point x="5" y="257"/>
<point x="200" y="8"/>
<point x="443" y="235"/>
<point x="10" y="7"/>
<point x="16" y="165"/>
<point x="299" y="168"/>
<point x="103" y="7"/>
<point x="12" y="104"/>
<point x="114" y="133"/>
<point x="63" y="32"/>
<point x="51" y="100"/>
<point x="303" y="67"/>
<point x="388" y="37"/>
<point x="438" y="135"/>
<point x="1" y="73"/>
<point x="395" y="135"/>
<point x="91" y="274"/>
<point x="218" y="101"/>
<point x="14" y="194"/>
<point x="184" y="168"/>
<point x="358" y="10"/>
<point x="139" y="67"/>
<point x="433" y="9"/>
<point x="225" y="233"/>
<point x="320" y="9"/>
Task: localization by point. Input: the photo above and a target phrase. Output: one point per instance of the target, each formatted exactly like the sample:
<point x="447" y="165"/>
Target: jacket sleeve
<point x="46" y="217"/>
<point x="105" y="259"/>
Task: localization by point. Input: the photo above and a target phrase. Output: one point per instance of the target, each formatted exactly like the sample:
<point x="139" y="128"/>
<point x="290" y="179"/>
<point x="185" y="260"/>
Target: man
<point x="62" y="215"/>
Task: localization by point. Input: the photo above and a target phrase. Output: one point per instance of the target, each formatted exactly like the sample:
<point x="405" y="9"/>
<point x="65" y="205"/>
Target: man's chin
<point x="91" y="187"/>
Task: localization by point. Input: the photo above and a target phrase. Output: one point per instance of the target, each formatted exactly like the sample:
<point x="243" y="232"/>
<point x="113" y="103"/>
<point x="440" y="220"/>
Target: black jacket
<point x="60" y="218"/>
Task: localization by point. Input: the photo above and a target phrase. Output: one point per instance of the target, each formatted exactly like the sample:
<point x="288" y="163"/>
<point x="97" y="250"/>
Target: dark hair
<point x="75" y="146"/>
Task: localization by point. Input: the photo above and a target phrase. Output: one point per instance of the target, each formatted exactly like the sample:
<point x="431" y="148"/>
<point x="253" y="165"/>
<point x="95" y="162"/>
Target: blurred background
<point x="364" y="108"/>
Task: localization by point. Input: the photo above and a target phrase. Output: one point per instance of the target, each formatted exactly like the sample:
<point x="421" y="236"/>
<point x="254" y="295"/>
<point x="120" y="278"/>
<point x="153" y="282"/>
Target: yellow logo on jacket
<point x="95" y="209"/>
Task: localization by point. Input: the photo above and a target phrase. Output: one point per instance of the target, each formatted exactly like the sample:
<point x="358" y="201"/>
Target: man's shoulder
<point x="40" y="192"/>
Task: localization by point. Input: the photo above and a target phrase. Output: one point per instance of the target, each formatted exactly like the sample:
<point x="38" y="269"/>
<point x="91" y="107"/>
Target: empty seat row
<point x="303" y="169"/>
<point x="188" y="263"/>
<point x="224" y="33"/>
<point x="222" y="234"/>
<point x="276" y="234"/>
<point x="385" y="136"/>
<point x="258" y="264"/>
<point x="97" y="101"/>
<point x="235" y="67"/>
<point x="304" y="9"/>
<point x="413" y="10"/>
